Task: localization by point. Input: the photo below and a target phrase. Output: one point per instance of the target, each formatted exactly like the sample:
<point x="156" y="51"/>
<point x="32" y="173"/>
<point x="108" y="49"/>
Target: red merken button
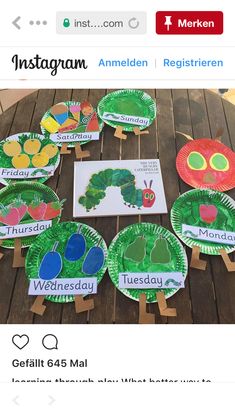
<point x="189" y="23"/>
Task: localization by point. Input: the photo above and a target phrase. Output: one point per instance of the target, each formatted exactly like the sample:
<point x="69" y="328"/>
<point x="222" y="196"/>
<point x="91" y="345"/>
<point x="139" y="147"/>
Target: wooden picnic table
<point x="209" y="296"/>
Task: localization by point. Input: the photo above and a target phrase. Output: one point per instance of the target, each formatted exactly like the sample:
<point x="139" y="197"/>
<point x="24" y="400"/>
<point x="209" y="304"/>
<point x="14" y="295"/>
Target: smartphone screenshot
<point x="117" y="209"/>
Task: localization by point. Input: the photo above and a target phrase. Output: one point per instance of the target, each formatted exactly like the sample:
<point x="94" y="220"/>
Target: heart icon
<point x="20" y="341"/>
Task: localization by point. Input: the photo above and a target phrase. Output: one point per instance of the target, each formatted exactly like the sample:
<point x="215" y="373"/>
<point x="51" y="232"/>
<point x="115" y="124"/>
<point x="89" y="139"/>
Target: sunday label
<point x="132" y="120"/>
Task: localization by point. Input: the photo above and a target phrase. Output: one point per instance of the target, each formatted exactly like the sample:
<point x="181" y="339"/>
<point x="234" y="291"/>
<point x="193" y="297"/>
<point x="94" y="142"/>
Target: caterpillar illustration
<point x="40" y="170"/>
<point x="174" y="282"/>
<point x="122" y="178"/>
<point x="190" y="233"/>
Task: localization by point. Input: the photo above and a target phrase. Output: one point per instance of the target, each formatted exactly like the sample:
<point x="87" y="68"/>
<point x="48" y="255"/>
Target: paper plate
<point x="220" y="215"/>
<point x="62" y="232"/>
<point x="78" y="121"/>
<point x="127" y="102"/>
<point x="6" y="161"/>
<point x="207" y="163"/>
<point x="118" y="263"/>
<point x="27" y="191"/>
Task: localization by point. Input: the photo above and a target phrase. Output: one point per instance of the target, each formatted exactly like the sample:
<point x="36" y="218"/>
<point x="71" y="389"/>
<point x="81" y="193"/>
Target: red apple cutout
<point x="208" y="213"/>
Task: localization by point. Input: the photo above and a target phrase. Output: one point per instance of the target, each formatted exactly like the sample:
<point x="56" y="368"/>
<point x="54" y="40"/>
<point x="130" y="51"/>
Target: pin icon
<point x="168" y="22"/>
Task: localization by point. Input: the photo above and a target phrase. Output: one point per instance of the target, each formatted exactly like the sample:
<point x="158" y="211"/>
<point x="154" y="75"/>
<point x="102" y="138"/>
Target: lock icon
<point x="66" y="23"/>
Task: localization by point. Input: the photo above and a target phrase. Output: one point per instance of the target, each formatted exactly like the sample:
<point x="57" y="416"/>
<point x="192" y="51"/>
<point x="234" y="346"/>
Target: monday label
<point x="209" y="234"/>
<point x="73" y="286"/>
<point x="12" y="173"/>
<point x="132" y="120"/>
<point x="75" y="137"/>
<point x="157" y="280"/>
<point x="24" y="230"/>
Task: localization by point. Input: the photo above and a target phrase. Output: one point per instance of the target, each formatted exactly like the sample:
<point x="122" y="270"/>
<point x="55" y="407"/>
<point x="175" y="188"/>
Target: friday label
<point x="208" y="234"/>
<point x="132" y="120"/>
<point x="13" y="173"/>
<point x="24" y="230"/>
<point x="157" y="280"/>
<point x="75" y="137"/>
<point x="82" y="286"/>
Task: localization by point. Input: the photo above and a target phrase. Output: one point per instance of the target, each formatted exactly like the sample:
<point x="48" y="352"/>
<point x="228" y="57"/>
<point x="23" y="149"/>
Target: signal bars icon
<point x="168" y="22"/>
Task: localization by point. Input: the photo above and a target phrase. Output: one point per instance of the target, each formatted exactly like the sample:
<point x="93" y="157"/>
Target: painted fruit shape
<point x="208" y="213"/>
<point x="160" y="252"/>
<point x="94" y="260"/>
<point x="51" y="264"/>
<point x="136" y="251"/>
<point x="76" y="246"/>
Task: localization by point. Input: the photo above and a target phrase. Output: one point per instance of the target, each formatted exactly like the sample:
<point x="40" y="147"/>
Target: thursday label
<point x="85" y="285"/>
<point x="157" y="280"/>
<point x="208" y="234"/>
<point x="24" y="230"/>
<point x="13" y="173"/>
<point x="75" y="137"/>
<point x="132" y="120"/>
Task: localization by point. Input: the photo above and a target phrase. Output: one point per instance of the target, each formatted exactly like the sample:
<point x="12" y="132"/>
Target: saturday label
<point x="13" y="173"/>
<point x="85" y="285"/>
<point x="167" y="280"/>
<point x="75" y="137"/>
<point x="133" y="120"/>
<point x="208" y="234"/>
<point x="24" y="230"/>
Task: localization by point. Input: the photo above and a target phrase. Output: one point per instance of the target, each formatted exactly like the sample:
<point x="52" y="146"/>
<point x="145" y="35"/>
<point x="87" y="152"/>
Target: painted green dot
<point x="219" y="162"/>
<point x="196" y="161"/>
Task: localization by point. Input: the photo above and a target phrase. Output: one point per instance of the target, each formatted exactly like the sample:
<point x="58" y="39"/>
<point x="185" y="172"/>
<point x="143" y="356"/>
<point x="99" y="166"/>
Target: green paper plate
<point x="186" y="211"/>
<point x="6" y="161"/>
<point x="128" y="102"/>
<point x="118" y="264"/>
<point x="26" y="190"/>
<point x="61" y="232"/>
<point x="81" y="127"/>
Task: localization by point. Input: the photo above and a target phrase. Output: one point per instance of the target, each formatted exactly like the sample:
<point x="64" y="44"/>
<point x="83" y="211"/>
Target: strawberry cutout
<point x="9" y="216"/>
<point x="53" y="210"/>
<point x="37" y="208"/>
<point x="21" y="206"/>
<point x="208" y="213"/>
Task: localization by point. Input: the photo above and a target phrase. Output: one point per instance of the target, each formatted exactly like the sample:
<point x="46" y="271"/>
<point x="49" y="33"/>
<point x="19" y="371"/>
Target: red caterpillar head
<point x="207" y="163"/>
<point x="149" y="196"/>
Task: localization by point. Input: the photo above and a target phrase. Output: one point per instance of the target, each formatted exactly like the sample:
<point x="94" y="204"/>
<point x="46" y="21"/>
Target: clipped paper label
<point x="24" y="230"/>
<point x="13" y="173"/>
<point x="208" y="234"/>
<point x="85" y="285"/>
<point x="166" y="280"/>
<point x="75" y="137"/>
<point x="132" y="120"/>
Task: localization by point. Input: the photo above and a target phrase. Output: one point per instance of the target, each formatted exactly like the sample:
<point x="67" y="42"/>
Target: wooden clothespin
<point x="64" y="149"/>
<point x="80" y="153"/>
<point x="144" y="316"/>
<point x="18" y="260"/>
<point x="119" y="133"/>
<point x="162" y="304"/>
<point x="82" y="305"/>
<point x="196" y="262"/>
<point x="38" y="307"/>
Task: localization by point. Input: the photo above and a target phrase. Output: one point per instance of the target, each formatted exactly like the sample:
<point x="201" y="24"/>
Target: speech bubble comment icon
<point x="50" y="342"/>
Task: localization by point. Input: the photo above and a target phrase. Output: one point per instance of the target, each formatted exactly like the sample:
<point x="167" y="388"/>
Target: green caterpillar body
<point x="96" y="189"/>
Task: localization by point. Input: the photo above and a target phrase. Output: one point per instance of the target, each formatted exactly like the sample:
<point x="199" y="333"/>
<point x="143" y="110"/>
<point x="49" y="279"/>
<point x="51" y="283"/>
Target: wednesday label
<point x="85" y="285"/>
<point x="24" y="230"/>
<point x="75" y="137"/>
<point x="169" y="280"/>
<point x="12" y="173"/>
<point x="208" y="234"/>
<point x="132" y="120"/>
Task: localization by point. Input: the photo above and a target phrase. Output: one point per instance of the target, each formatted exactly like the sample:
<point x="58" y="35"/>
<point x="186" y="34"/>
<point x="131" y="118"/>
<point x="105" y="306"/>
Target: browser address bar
<point x="101" y="23"/>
